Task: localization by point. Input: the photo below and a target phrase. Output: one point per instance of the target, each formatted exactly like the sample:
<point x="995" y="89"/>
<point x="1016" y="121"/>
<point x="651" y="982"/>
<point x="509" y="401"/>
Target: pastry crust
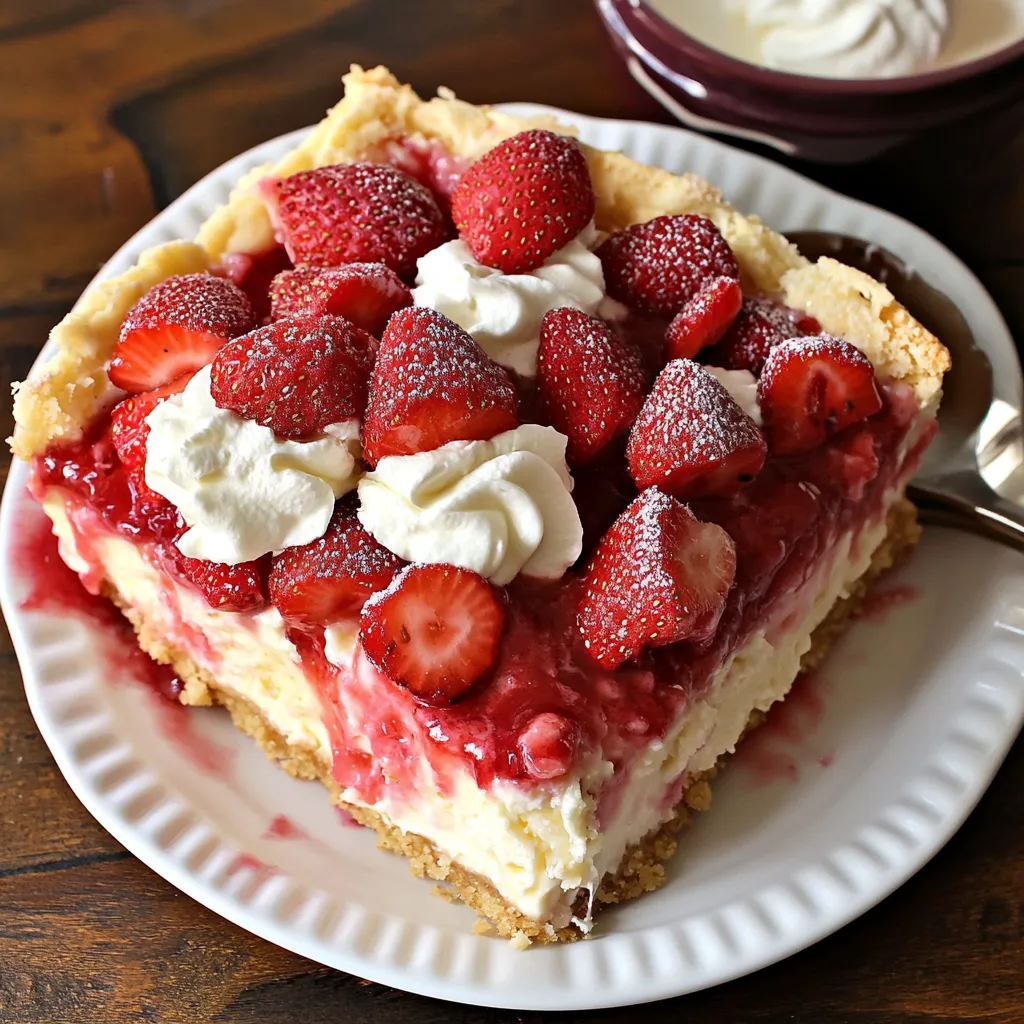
<point x="61" y="396"/>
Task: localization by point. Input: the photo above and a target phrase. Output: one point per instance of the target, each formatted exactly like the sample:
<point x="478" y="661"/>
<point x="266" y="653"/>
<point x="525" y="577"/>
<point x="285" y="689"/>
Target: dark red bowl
<point x="826" y="119"/>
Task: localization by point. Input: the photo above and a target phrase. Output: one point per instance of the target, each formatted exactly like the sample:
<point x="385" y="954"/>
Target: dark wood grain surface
<point x="110" y="109"/>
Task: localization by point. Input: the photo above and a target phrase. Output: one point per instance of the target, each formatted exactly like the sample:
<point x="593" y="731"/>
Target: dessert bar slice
<point x="497" y="482"/>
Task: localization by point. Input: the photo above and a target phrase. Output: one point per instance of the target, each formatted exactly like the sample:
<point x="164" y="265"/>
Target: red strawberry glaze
<point x="784" y="526"/>
<point x="282" y="827"/>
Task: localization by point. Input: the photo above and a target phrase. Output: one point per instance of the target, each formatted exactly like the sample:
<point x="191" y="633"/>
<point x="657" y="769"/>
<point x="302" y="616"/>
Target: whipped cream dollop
<point x="242" y="490"/>
<point x="742" y="385"/>
<point x="499" y="507"/>
<point x="847" y="38"/>
<point x="503" y="311"/>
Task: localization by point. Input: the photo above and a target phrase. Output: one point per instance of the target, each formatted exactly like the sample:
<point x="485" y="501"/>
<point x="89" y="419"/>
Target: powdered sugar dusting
<point x="195" y="302"/>
<point x="689" y="431"/>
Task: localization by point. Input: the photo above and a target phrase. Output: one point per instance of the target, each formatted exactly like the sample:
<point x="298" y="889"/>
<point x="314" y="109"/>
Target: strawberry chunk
<point x="436" y="630"/>
<point x="658" y="266"/>
<point x="592" y="382"/>
<point x="811" y="388"/>
<point x="331" y="578"/>
<point x="365" y="294"/>
<point x="704" y="319"/>
<point x="432" y="384"/>
<point x="760" y="326"/>
<point x="228" y="588"/>
<point x="355" y="213"/>
<point x="523" y="200"/>
<point x="295" y="376"/>
<point x="548" y="745"/>
<point x="129" y="430"/>
<point x="658" y="576"/>
<point x="253" y="272"/>
<point x="691" y="439"/>
<point x="177" y="327"/>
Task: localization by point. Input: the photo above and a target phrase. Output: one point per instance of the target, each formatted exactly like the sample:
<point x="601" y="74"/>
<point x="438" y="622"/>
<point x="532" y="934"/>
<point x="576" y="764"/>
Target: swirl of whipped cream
<point x="503" y="311"/>
<point x="499" y="507"/>
<point x="242" y="490"/>
<point x="848" y="38"/>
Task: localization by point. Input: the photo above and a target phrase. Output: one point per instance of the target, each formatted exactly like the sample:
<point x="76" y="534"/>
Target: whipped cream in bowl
<point x="499" y="507"/>
<point x="242" y="490"/>
<point x="503" y="312"/>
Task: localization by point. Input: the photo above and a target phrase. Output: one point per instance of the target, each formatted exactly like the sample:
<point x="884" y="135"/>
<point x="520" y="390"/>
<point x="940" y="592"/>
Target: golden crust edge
<point x="60" y="396"/>
<point x="642" y="868"/>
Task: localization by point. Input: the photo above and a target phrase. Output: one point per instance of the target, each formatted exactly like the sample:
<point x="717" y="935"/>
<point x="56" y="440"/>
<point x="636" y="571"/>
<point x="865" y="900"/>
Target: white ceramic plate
<point x="887" y="753"/>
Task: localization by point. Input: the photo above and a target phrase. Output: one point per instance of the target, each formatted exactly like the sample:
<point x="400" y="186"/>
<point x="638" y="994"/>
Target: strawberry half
<point x="435" y="630"/>
<point x="332" y="577"/>
<point x="691" y="439"/>
<point x="592" y="382"/>
<point x="432" y="384"/>
<point x="365" y="294"/>
<point x="811" y="388"/>
<point x="704" y="319"/>
<point x="760" y="326"/>
<point x="295" y="376"/>
<point x="523" y="200"/>
<point x="229" y="588"/>
<point x="658" y="576"/>
<point x="129" y="430"/>
<point x="355" y="213"/>
<point x="177" y="327"/>
<point x="658" y="266"/>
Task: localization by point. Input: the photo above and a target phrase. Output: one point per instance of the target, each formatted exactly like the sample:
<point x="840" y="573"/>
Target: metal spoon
<point x="973" y="474"/>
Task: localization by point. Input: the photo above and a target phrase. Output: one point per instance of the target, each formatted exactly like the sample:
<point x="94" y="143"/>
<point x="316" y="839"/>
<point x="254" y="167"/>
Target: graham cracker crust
<point x="642" y="869"/>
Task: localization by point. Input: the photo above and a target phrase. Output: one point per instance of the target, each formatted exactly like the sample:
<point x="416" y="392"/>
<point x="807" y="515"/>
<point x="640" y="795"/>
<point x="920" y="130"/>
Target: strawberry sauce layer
<point x="546" y="705"/>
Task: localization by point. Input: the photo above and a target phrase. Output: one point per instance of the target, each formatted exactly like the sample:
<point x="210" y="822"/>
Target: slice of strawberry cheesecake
<point x="496" y="482"/>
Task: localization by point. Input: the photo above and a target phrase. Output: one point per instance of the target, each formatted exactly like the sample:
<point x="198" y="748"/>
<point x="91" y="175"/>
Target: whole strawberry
<point x="658" y="266"/>
<point x="658" y="576"/>
<point x="355" y="213"/>
<point x="432" y="383"/>
<point x="592" y="382"/>
<point x="523" y="200"/>
<point x="295" y="376"/>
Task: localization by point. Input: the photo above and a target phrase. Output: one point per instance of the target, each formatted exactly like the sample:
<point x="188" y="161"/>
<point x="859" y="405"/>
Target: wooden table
<point x="109" y="110"/>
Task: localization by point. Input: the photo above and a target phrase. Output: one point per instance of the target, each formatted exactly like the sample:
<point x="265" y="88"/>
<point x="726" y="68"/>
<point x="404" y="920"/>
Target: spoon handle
<point x="963" y="500"/>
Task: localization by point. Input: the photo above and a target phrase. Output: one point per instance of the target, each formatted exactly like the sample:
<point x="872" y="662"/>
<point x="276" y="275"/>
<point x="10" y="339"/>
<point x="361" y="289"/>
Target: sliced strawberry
<point x="658" y="266"/>
<point x="760" y="326"/>
<point x="228" y="588"/>
<point x="523" y="200"/>
<point x="295" y="376"/>
<point x="332" y="577"/>
<point x="592" y="382"/>
<point x="432" y="384"/>
<point x="691" y="439"/>
<point x="435" y="630"/>
<point x="365" y="294"/>
<point x="253" y="272"/>
<point x="659" y="575"/>
<point x="129" y="429"/>
<point x="177" y="327"/>
<point x="355" y="213"/>
<point x="811" y="388"/>
<point x="704" y="319"/>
